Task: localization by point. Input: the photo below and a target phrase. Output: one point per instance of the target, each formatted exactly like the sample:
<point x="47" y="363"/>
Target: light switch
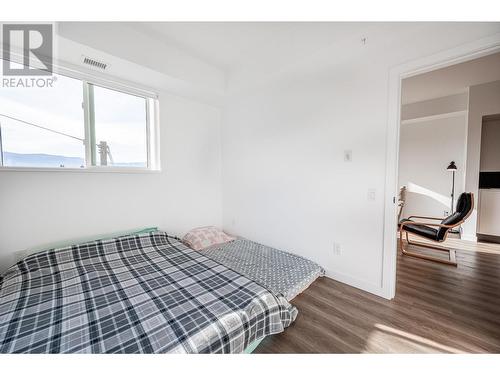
<point x="372" y="194"/>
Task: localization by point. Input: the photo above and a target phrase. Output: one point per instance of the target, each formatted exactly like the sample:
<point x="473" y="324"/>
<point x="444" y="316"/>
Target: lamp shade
<point x="452" y="167"/>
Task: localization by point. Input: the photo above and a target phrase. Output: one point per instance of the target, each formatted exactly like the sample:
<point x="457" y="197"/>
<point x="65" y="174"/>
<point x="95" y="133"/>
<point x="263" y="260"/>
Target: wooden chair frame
<point x="452" y="261"/>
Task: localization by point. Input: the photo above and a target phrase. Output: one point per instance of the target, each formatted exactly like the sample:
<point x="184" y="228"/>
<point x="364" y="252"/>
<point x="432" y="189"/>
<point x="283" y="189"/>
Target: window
<point x="75" y="123"/>
<point x="120" y="128"/>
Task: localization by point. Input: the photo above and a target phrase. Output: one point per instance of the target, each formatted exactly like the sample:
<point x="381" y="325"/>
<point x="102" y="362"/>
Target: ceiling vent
<point x="93" y="63"/>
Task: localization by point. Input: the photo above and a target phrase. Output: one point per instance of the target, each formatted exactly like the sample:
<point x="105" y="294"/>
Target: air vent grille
<point x="94" y="63"/>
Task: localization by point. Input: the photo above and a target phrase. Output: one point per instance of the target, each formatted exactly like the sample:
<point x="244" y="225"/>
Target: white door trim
<point x="465" y="52"/>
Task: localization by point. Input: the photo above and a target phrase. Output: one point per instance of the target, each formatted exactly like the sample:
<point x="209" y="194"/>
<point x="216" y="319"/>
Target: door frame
<point x="469" y="51"/>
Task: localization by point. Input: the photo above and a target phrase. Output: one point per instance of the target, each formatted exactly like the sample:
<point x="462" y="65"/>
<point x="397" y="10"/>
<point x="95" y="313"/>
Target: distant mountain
<point x="11" y="159"/>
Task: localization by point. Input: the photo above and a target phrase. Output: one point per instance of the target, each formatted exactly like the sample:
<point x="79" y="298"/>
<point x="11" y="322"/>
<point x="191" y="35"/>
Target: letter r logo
<point x="36" y="43"/>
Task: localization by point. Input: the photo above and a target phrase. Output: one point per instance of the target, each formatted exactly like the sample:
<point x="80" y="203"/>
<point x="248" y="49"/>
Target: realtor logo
<point x="36" y="42"/>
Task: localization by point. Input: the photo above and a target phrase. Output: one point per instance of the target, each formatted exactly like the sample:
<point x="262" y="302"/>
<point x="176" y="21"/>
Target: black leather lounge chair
<point x="436" y="232"/>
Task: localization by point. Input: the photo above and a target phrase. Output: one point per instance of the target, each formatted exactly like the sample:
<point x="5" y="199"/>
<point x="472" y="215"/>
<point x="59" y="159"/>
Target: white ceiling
<point x="234" y="45"/>
<point x="451" y="80"/>
<point x="220" y="56"/>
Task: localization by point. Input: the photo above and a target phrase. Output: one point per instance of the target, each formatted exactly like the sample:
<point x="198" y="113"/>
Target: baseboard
<point x="358" y="283"/>
<point x="488" y="238"/>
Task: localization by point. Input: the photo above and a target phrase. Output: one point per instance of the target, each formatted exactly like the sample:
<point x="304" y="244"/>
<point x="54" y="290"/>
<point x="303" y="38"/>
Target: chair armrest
<point x="427" y="217"/>
<point x="421" y="223"/>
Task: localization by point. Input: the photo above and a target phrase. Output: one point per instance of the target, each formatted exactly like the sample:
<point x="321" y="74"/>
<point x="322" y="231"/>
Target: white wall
<point x="40" y="208"/>
<point x="433" y="133"/>
<point x="490" y="146"/>
<point x="434" y="107"/>
<point x="285" y="181"/>
<point x="425" y="150"/>
<point x="284" y="177"/>
<point x="484" y="100"/>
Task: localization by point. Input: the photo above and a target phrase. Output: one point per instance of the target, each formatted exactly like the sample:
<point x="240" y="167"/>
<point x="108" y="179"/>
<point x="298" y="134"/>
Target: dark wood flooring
<point x="437" y="308"/>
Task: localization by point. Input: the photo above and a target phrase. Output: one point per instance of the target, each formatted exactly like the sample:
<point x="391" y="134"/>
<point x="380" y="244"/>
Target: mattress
<point x="281" y="272"/>
<point x="145" y="293"/>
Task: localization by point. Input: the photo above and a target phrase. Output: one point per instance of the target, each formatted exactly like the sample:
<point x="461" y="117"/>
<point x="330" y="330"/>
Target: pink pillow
<point x="200" y="238"/>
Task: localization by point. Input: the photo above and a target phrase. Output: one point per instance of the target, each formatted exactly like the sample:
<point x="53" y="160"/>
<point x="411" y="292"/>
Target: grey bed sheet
<point x="280" y="272"/>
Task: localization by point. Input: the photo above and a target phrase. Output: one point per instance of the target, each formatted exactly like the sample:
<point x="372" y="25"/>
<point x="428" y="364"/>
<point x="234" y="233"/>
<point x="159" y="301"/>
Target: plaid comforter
<point x="134" y="294"/>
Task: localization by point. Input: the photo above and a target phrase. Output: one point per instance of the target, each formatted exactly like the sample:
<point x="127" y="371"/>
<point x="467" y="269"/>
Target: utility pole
<point x="103" y="152"/>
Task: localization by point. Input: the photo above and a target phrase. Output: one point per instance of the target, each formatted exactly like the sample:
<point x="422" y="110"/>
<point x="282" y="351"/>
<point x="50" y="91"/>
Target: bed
<point x="145" y="293"/>
<point x="283" y="273"/>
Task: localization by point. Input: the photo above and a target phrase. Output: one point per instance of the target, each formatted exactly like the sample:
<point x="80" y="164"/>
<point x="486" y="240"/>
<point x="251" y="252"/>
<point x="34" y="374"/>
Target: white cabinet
<point x="489" y="212"/>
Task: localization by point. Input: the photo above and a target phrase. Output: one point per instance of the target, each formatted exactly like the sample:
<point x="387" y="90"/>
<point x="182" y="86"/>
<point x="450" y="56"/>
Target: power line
<point x="107" y="149"/>
<point x="42" y="127"/>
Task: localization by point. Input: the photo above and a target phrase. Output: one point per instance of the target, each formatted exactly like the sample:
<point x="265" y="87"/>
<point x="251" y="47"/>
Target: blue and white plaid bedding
<point x="144" y="293"/>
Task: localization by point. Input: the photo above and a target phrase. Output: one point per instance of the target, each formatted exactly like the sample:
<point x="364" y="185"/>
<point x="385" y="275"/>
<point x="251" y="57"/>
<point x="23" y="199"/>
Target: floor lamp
<point x="452" y="168"/>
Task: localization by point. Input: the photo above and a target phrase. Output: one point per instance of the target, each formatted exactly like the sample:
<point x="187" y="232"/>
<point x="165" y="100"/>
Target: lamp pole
<point x="452" y="191"/>
<point x="452" y="168"/>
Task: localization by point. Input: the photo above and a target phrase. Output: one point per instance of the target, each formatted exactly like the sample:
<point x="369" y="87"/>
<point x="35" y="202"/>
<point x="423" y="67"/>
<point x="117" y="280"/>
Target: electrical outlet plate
<point x="336" y="249"/>
<point x="347" y="155"/>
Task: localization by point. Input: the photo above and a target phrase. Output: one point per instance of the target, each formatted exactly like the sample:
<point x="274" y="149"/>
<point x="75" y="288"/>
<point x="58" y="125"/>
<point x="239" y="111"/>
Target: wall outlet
<point x="336" y="249"/>
<point x="446" y="213"/>
<point x="347" y="155"/>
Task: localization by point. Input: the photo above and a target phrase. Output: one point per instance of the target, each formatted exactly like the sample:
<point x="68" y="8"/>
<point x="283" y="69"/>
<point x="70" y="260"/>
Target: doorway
<point x="449" y="164"/>
<point x="442" y="60"/>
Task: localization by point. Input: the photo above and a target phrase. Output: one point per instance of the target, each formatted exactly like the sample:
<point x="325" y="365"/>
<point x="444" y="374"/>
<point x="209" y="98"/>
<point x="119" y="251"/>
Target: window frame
<point x="89" y="79"/>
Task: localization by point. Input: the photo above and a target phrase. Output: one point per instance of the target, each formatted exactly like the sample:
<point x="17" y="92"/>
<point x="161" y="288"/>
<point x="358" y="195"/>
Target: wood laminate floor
<point x="437" y="308"/>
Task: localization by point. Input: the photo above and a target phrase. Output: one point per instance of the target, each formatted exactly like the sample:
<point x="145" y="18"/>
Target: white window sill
<point x="82" y="170"/>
